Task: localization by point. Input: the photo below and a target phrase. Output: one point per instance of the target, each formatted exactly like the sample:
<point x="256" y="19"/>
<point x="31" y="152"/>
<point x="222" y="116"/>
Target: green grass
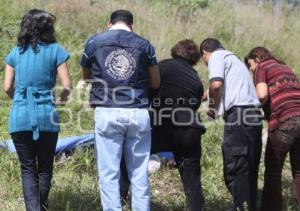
<point x="239" y="26"/>
<point x="75" y="183"/>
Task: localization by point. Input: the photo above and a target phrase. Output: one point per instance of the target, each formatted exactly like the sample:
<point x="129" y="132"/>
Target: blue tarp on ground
<point x="71" y="143"/>
<point x="63" y="144"/>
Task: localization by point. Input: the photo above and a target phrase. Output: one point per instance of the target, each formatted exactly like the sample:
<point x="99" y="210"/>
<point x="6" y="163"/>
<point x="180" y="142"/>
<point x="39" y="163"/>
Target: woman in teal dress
<point x="30" y="76"/>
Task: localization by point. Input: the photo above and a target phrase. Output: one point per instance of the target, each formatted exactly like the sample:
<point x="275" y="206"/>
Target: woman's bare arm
<point x="9" y="80"/>
<point x="64" y="76"/>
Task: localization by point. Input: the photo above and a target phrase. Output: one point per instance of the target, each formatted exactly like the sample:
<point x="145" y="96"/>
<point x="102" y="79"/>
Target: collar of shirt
<point x="120" y="26"/>
<point x="221" y="52"/>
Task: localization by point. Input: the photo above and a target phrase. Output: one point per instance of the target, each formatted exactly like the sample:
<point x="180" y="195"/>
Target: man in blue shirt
<point x="122" y="67"/>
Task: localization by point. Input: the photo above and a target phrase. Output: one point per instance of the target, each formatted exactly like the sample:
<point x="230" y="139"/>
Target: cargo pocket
<point x="236" y="170"/>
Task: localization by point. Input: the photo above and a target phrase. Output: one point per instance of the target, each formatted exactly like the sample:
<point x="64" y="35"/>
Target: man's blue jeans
<point x="118" y="131"/>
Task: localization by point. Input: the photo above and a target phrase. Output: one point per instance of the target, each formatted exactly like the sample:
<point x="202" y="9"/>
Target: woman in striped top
<point x="30" y="76"/>
<point x="279" y="92"/>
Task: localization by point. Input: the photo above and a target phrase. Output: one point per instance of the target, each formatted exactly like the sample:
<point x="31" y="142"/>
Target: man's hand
<point x="86" y="73"/>
<point x="211" y="114"/>
<point x="205" y="96"/>
<point x="215" y="92"/>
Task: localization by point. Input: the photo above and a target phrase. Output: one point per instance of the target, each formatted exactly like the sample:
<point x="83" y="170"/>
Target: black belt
<point x="234" y="108"/>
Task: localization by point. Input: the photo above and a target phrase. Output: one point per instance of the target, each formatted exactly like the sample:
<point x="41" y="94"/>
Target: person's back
<point x="284" y="91"/>
<point x="122" y="60"/>
<point x="181" y="83"/>
<point x="121" y="66"/>
<point x="179" y="127"/>
<point x="37" y="68"/>
<point x="35" y="74"/>
<point x="238" y="88"/>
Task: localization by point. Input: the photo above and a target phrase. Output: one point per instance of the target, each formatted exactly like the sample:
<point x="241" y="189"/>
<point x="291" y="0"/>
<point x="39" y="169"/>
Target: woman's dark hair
<point x="210" y="45"/>
<point x="262" y="54"/>
<point x="36" y="26"/>
<point x="121" y="16"/>
<point x="186" y="49"/>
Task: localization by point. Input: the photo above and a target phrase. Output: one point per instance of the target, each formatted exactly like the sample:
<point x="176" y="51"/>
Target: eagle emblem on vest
<point x="120" y="64"/>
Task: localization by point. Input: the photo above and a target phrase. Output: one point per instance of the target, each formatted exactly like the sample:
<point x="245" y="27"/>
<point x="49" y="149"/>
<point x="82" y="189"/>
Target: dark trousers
<point x="241" y="153"/>
<point x="36" y="158"/>
<point x="185" y="143"/>
<point x="284" y="140"/>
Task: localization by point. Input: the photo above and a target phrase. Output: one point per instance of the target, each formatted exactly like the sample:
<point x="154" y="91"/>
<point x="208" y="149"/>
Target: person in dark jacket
<point x="176" y="124"/>
<point x="121" y="66"/>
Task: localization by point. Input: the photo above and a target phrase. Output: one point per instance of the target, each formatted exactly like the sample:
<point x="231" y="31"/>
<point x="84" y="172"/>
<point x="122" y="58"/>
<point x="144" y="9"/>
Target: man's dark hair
<point x="121" y="16"/>
<point x="186" y="49"/>
<point x="210" y="45"/>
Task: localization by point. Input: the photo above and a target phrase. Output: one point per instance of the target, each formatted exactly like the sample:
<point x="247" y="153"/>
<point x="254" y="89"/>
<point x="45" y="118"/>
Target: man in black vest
<point x="122" y="67"/>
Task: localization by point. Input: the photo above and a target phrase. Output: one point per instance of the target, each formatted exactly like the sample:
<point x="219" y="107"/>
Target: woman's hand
<point x="63" y="73"/>
<point x="64" y="97"/>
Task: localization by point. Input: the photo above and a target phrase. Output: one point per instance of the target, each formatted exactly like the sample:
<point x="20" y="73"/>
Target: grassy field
<point x="240" y="26"/>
